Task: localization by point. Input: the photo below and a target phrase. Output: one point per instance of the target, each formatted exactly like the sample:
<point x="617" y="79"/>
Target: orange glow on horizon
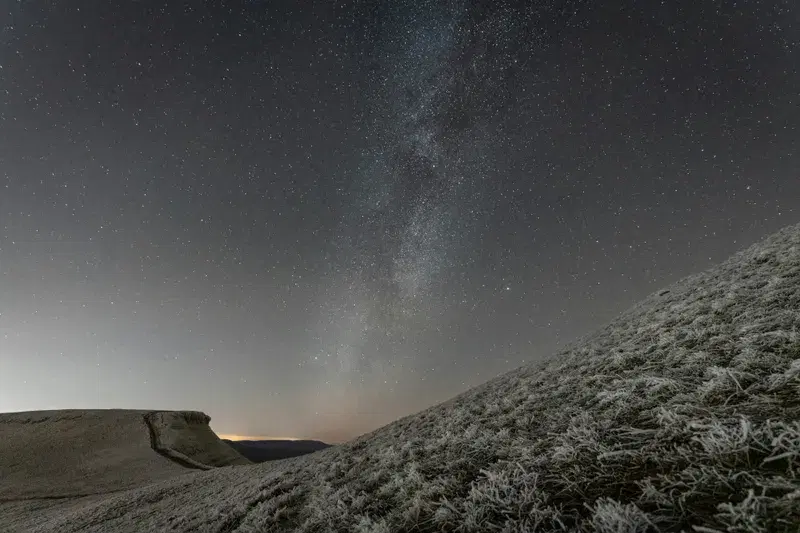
<point x="254" y="437"/>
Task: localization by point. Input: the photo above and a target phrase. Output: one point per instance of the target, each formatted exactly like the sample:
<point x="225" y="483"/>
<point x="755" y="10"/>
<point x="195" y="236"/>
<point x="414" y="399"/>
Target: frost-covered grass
<point x="683" y="414"/>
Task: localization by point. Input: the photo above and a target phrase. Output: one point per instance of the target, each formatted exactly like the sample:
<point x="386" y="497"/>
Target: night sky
<point x="308" y="219"/>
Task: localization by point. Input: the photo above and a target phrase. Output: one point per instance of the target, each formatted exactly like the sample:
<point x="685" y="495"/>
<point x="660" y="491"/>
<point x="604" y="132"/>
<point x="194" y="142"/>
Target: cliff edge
<point x="75" y="453"/>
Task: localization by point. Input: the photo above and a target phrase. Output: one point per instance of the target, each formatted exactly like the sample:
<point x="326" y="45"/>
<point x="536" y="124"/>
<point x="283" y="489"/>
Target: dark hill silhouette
<point x="259" y="451"/>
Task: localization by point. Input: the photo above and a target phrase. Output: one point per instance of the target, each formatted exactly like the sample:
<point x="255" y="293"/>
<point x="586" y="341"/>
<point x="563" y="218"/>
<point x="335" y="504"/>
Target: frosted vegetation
<point x="683" y="414"/>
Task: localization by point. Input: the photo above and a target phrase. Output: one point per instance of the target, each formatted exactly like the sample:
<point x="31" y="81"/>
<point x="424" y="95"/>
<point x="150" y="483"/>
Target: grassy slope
<point x="72" y="453"/>
<point x="56" y="454"/>
<point x="681" y="414"/>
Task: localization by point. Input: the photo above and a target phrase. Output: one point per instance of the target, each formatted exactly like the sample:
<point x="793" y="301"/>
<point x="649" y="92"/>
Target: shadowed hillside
<point x="259" y="451"/>
<point x="682" y="414"/>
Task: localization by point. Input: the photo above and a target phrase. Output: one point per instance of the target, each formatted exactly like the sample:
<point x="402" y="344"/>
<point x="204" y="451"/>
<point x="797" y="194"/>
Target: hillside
<point x="66" y="454"/>
<point x="682" y="414"/>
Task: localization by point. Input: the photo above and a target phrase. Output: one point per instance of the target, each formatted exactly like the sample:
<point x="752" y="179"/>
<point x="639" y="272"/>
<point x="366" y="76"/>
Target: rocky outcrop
<point x="186" y="438"/>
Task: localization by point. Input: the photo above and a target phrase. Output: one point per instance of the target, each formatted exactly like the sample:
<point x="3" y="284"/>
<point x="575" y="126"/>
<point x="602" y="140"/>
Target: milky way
<point x="438" y="89"/>
<point x="416" y="196"/>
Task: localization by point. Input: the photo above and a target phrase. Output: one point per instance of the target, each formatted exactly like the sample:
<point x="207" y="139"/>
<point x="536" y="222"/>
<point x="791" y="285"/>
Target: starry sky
<point x="309" y="219"/>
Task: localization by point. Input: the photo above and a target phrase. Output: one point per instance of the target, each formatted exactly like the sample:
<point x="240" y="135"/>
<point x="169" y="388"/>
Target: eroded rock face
<point x="185" y="437"/>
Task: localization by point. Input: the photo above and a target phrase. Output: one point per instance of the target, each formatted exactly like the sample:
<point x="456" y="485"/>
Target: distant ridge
<point x="682" y="414"/>
<point x="259" y="451"/>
